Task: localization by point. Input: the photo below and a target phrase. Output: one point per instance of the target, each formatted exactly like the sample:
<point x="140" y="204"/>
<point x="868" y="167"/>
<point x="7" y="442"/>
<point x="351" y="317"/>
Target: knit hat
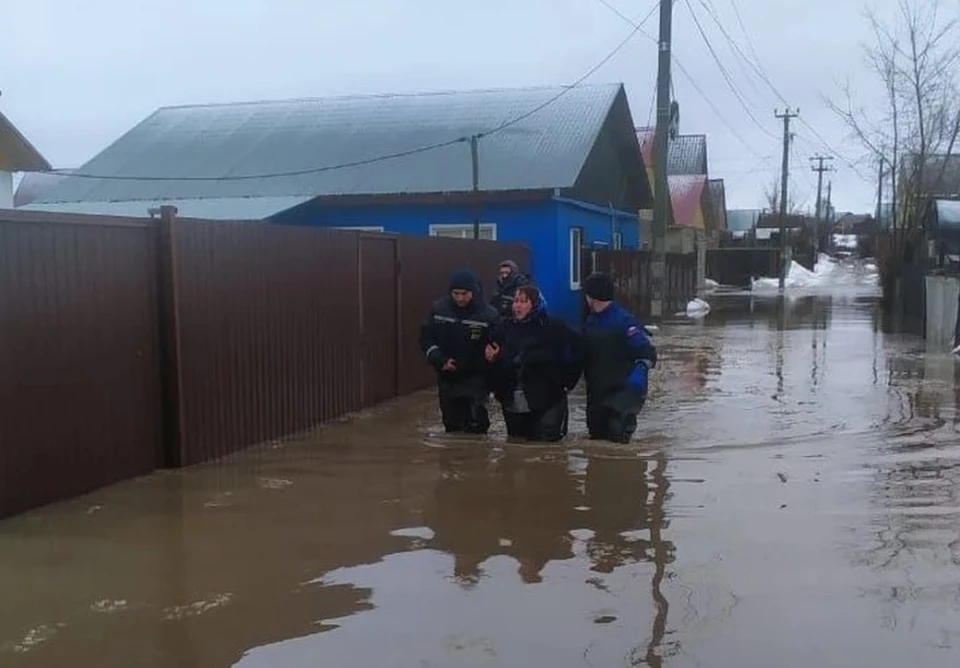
<point x="465" y="280"/>
<point x="599" y="286"/>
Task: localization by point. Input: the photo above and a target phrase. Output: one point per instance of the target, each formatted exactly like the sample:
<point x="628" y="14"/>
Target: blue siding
<point x="530" y="223"/>
<point x="542" y="226"/>
<point x="598" y="229"/>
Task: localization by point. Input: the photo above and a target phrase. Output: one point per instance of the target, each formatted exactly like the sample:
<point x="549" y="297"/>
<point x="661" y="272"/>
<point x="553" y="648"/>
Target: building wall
<point x="6" y="190"/>
<point x="530" y="223"/>
<point x="543" y="226"/>
<point x="597" y="232"/>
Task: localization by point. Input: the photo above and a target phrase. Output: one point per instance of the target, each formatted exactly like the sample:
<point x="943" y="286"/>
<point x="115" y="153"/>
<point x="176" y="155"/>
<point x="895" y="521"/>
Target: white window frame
<point x="465" y="228"/>
<point x="618" y="241"/>
<point x="576" y="257"/>
<point x="361" y="228"/>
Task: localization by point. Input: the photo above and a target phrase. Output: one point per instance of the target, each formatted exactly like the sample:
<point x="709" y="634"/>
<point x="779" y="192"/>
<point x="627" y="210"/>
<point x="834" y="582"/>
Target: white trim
<point x="361" y="228"/>
<point x="466" y="230"/>
<point x="576" y="257"/>
<point x="617" y="241"/>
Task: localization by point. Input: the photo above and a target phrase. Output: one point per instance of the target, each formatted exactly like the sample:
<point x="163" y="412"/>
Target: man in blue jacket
<point x="619" y="356"/>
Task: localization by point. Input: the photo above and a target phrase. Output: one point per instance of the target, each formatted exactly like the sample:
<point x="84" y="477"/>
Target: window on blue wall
<point x="576" y="256"/>
<point x="488" y="231"/>
<point x="618" y="241"/>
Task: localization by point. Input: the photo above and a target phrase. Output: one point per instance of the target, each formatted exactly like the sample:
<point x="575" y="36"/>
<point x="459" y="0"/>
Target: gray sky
<point x="76" y="75"/>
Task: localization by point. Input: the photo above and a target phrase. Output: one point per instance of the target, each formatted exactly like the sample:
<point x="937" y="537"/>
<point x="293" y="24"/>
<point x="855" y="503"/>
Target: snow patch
<point x="697" y="308"/>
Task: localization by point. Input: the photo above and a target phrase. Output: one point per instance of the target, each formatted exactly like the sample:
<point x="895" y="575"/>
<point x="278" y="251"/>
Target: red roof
<point x="646" y="137"/>
<point x="686" y="193"/>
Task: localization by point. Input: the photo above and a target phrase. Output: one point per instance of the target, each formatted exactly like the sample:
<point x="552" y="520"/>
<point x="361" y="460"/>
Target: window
<point x="361" y="228"/>
<point x="576" y="256"/>
<point x="618" y="241"/>
<point x="488" y="231"/>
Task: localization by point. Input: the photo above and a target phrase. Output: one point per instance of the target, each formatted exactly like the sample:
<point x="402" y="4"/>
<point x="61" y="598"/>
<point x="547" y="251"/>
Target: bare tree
<point x="916" y="57"/>
<point x="771" y="195"/>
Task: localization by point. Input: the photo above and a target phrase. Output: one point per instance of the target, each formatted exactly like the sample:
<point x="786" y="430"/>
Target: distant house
<point x="559" y="169"/>
<point x="942" y="224"/>
<point x="742" y="221"/>
<point x="691" y="205"/>
<point x="16" y="155"/>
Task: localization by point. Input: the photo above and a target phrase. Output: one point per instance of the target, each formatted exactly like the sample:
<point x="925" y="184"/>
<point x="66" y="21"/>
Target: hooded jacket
<point x="460" y="334"/>
<point x="506" y="289"/>
<point x="542" y="354"/>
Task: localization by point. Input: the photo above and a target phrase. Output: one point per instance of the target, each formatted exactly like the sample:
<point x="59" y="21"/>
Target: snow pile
<point x="697" y="308"/>
<point x="710" y="284"/>
<point x="828" y="272"/>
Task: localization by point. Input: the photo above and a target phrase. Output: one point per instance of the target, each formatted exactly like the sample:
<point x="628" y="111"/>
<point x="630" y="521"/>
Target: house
<point x="559" y="169"/>
<point x="741" y="222"/>
<point x="16" y="155"/>
<point x="942" y="226"/>
<point x="686" y="177"/>
<point x="717" y="197"/>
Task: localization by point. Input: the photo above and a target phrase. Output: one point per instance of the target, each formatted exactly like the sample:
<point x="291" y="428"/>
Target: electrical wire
<point x="725" y="72"/>
<point x="693" y="83"/>
<point x="638" y="27"/>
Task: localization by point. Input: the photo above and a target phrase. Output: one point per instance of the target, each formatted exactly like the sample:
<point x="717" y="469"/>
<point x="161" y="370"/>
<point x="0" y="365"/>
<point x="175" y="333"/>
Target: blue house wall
<point x="543" y="226"/>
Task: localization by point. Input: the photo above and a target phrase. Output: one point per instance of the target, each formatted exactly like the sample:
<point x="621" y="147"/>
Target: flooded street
<point x="790" y="500"/>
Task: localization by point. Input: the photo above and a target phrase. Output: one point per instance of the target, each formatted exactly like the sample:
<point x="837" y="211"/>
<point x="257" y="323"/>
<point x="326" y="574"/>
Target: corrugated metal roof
<point x="34" y="185"/>
<point x="742" y="220"/>
<point x="686" y="193"/>
<point x="16" y="153"/>
<point x="687" y="155"/>
<point x="232" y="208"/>
<point x="546" y="150"/>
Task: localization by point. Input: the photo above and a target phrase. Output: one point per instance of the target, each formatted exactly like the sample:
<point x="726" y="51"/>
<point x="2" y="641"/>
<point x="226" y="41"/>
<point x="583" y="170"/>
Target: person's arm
<point x="429" y="344"/>
<point x="645" y="354"/>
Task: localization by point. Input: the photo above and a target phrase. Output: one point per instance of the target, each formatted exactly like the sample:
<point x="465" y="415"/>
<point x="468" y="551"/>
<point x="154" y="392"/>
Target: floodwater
<point x="790" y="500"/>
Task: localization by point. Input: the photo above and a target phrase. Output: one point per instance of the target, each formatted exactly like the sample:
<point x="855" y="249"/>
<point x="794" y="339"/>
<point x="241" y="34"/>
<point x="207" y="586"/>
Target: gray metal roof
<point x="544" y="151"/>
<point x="687" y="155"/>
<point x="948" y="212"/>
<point x="742" y="220"/>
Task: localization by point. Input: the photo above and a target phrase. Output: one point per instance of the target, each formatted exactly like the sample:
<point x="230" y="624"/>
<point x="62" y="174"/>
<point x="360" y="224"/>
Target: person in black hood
<point x="539" y="360"/>
<point x="454" y="339"/>
<point x="509" y="279"/>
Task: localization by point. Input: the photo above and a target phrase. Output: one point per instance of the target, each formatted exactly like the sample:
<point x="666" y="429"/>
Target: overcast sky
<point x="76" y="75"/>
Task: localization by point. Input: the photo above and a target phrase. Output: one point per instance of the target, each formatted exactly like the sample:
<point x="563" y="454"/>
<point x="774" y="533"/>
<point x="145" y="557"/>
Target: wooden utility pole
<point x="787" y="115"/>
<point x="819" y="169"/>
<point x="661" y="190"/>
<point x="880" y="192"/>
<point x="475" y="159"/>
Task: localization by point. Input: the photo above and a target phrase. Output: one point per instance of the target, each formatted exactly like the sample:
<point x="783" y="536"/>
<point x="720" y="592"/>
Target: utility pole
<point x="880" y="192"/>
<point x="830" y="203"/>
<point x="475" y="159"/>
<point x="661" y="190"/>
<point x="819" y="169"/>
<point x="787" y="115"/>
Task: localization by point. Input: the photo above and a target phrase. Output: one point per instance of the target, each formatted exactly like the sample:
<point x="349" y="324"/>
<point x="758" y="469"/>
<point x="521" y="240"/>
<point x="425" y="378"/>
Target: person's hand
<point x="491" y="351"/>
<point x="449" y="365"/>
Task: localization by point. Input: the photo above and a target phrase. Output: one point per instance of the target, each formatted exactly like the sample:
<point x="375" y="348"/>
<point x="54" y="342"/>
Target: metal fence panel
<point x="80" y="403"/>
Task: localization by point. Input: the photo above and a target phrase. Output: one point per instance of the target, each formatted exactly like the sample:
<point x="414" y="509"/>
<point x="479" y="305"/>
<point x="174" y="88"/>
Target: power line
<point x="389" y="156"/>
<point x="724" y="72"/>
<point x="683" y="70"/>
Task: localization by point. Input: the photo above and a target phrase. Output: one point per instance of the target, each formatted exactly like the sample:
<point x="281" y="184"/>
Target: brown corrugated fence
<point x="79" y="356"/>
<point x="631" y="275"/>
<point x="129" y="344"/>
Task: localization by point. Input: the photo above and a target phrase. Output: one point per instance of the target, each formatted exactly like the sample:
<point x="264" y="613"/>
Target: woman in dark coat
<point x="539" y="361"/>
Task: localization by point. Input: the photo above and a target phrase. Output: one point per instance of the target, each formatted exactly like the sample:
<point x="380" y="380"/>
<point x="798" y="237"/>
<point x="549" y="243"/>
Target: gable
<point x="16" y="153"/>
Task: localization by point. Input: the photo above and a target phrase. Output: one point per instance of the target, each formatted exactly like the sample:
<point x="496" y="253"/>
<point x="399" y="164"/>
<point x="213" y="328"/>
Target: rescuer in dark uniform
<point x="454" y="339"/>
<point x="509" y="279"/>
<point x="618" y="361"/>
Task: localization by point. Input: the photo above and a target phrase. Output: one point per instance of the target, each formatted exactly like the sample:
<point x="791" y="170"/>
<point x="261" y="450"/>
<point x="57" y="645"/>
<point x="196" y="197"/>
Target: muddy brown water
<point x="790" y="500"/>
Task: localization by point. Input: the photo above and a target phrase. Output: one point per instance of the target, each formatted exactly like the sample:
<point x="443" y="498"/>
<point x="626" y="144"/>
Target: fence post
<point x="171" y="380"/>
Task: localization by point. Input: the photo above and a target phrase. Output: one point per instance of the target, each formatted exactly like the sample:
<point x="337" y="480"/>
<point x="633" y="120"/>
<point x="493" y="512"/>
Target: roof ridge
<point x="393" y="95"/>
